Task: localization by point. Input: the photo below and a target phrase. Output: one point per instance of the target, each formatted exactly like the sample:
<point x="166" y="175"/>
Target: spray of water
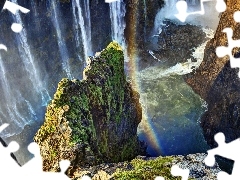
<point x="82" y="20"/>
<point x="61" y="43"/>
<point x="153" y="73"/>
<point x="117" y="15"/>
<point x="208" y="19"/>
<point x="29" y="62"/>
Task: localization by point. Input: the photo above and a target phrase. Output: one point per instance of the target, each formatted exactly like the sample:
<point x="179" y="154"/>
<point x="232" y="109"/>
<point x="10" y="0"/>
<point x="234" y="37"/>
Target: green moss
<point x="129" y="148"/>
<point x="53" y="154"/>
<point x="103" y="146"/>
<point x="147" y="170"/>
<point x="113" y="54"/>
<point x="90" y="109"/>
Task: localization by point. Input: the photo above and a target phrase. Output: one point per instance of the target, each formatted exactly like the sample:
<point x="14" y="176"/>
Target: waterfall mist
<point x="209" y="19"/>
<point x="53" y="44"/>
<point x="61" y="43"/>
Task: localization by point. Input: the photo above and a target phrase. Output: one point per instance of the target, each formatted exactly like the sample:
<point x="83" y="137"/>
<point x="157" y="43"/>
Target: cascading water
<point x="167" y="12"/>
<point x="23" y="91"/>
<point x="117" y="15"/>
<point x="82" y="20"/>
<point x="29" y="62"/>
<point x="10" y="105"/>
<point x="145" y="19"/>
<point x="61" y="43"/>
<point x="34" y="9"/>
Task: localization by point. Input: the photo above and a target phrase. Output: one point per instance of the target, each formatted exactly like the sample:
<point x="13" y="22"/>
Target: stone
<point x="218" y="84"/>
<point x="93" y="120"/>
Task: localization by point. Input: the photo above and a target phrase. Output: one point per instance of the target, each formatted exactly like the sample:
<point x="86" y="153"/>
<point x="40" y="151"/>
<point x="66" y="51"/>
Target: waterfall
<point x="154" y="73"/>
<point x="23" y="91"/>
<point x="82" y="20"/>
<point x="117" y="15"/>
<point x="167" y="12"/>
<point x="145" y="19"/>
<point x="10" y="108"/>
<point x="29" y="62"/>
<point x="34" y="9"/>
<point x="61" y="43"/>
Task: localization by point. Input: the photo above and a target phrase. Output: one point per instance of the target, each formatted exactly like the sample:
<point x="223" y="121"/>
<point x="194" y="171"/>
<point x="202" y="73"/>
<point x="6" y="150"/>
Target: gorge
<point x="59" y="35"/>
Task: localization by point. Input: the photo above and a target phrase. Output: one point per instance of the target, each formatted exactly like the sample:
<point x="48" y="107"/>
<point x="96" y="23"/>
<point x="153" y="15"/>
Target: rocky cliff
<point x="218" y="83"/>
<point x="93" y="120"/>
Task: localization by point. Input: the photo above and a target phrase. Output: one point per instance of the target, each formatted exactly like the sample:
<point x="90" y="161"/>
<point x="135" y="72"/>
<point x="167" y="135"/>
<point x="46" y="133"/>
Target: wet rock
<point x="174" y="44"/>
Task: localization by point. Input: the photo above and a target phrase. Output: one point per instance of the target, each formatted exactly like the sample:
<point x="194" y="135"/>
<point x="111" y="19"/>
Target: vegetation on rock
<point x="147" y="170"/>
<point x="93" y="120"/>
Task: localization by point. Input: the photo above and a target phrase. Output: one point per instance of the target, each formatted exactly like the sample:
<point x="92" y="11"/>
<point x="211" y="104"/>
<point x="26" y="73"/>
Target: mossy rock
<point x="93" y="120"/>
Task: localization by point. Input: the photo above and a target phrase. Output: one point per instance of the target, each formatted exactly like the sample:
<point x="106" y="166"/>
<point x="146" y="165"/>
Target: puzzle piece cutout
<point x="222" y="51"/>
<point x="228" y="150"/>
<point x="16" y="27"/>
<point x="182" y="9"/>
<point x="14" y="8"/>
<point x="32" y="169"/>
<point x="177" y="171"/>
<point x="85" y="177"/>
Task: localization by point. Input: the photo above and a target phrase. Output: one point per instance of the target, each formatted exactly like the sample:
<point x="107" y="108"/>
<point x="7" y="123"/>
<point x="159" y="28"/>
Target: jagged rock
<point x="93" y="120"/>
<point x="218" y="84"/>
<point x="146" y="168"/>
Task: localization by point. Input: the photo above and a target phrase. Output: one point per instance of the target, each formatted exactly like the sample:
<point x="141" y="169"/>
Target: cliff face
<point x="219" y="84"/>
<point x="94" y="120"/>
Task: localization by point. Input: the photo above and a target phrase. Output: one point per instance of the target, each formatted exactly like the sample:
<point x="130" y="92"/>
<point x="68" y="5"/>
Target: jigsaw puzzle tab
<point x="228" y="150"/>
<point x="159" y="178"/>
<point x="13" y="8"/>
<point x="6" y="157"/>
<point x="222" y="51"/>
<point x="32" y="169"/>
<point x="35" y="164"/>
<point x="177" y="171"/>
<point x="236" y="16"/>
<point x="182" y="9"/>
<point x="85" y="177"/>
<point x="10" y="165"/>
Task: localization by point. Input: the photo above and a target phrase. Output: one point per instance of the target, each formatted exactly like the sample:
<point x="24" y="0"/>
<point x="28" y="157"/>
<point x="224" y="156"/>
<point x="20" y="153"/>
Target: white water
<point x="9" y="98"/>
<point x="29" y="62"/>
<point x="61" y="43"/>
<point x="82" y="20"/>
<point x="9" y="110"/>
<point x="153" y="73"/>
<point x="208" y="19"/>
<point x="33" y="8"/>
<point x="167" y="12"/>
<point x="118" y="24"/>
